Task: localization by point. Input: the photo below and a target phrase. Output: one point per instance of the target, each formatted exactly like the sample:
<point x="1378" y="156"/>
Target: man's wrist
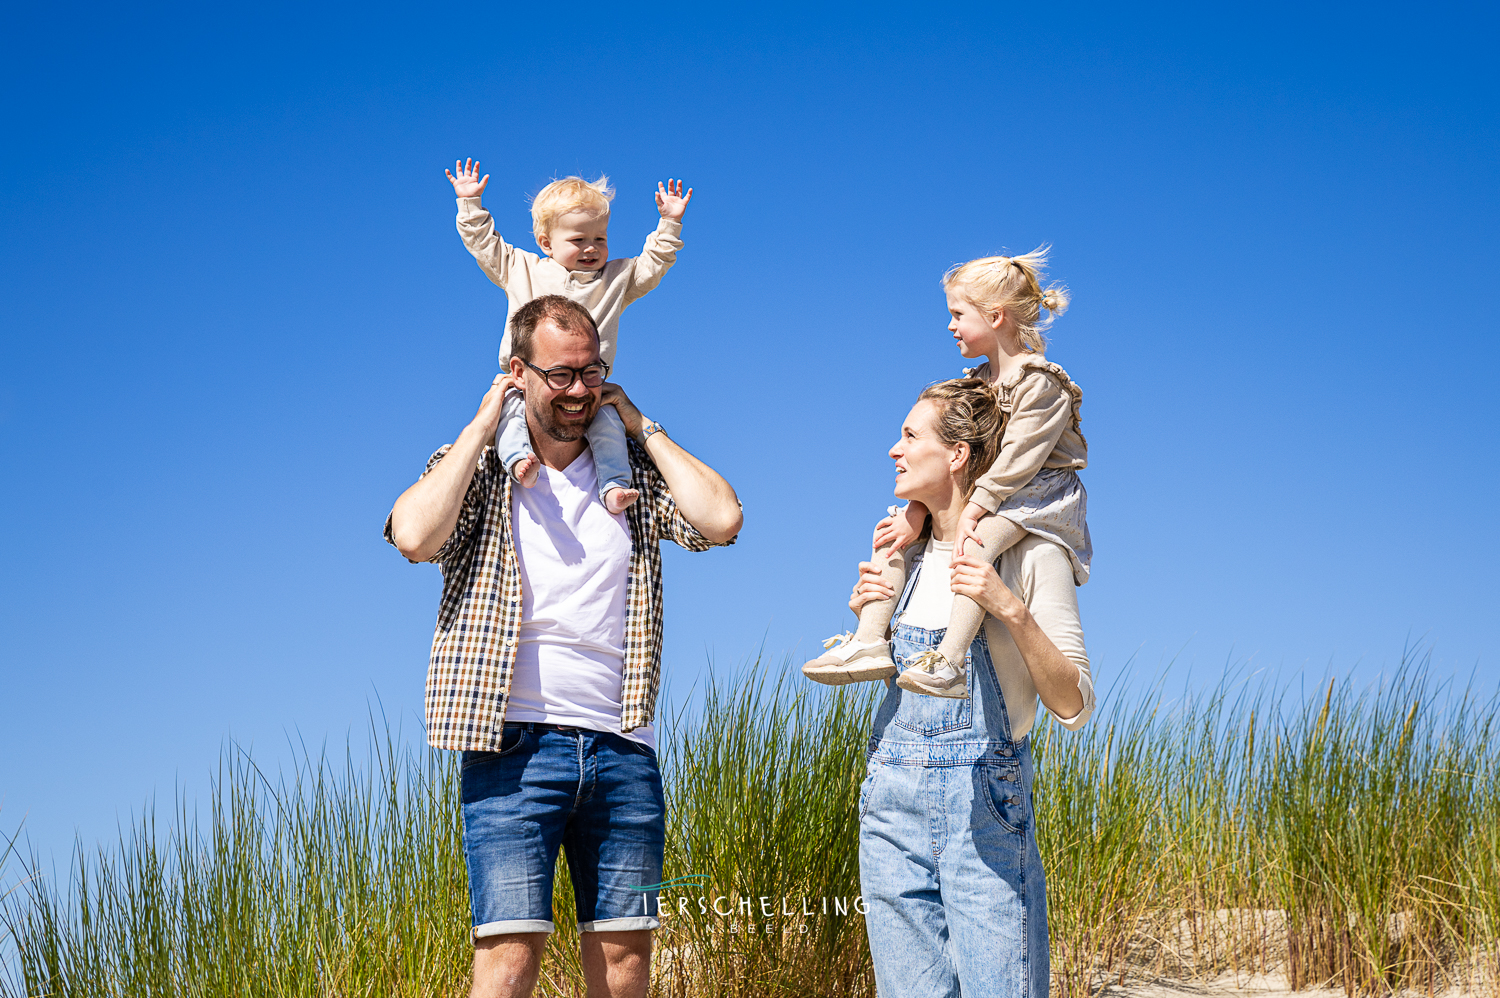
<point x="649" y="429"/>
<point x="479" y="432"/>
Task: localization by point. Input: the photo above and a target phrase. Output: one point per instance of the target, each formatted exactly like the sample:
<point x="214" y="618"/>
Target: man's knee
<point x="506" y="965"/>
<point x="623" y="957"/>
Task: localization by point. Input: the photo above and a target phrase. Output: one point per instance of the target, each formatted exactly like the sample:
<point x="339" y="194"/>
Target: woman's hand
<point x="977" y="579"/>
<point x="871" y="587"/>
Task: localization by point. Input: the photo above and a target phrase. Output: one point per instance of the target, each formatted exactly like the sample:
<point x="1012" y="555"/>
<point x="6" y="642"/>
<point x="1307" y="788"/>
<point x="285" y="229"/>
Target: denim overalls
<point x="948" y="862"/>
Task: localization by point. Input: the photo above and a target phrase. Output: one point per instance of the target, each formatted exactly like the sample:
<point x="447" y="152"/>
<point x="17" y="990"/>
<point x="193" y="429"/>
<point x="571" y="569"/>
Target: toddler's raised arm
<point x="662" y="245"/>
<point x="475" y="225"/>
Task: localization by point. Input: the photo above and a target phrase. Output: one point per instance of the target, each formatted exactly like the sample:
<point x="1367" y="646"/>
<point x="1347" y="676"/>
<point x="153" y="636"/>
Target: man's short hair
<point x="563" y="313"/>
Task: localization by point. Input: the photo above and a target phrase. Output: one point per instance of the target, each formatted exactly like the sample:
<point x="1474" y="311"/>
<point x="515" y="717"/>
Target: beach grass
<point x="1348" y="837"/>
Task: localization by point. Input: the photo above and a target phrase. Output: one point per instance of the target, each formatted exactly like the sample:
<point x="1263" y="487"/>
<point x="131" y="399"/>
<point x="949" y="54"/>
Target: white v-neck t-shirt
<point x="574" y="557"/>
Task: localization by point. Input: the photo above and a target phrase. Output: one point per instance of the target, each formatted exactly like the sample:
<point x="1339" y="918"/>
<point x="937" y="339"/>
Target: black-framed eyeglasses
<point x="560" y="379"/>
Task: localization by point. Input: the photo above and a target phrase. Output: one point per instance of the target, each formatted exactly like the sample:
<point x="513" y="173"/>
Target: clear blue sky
<point x="237" y="318"/>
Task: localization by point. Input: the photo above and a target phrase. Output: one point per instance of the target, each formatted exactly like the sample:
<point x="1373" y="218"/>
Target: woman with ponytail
<point x="955" y="896"/>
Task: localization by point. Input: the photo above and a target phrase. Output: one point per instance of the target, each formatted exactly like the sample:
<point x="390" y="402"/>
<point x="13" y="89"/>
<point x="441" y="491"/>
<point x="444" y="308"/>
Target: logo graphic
<point x="740" y="909"/>
<point x="688" y="880"/>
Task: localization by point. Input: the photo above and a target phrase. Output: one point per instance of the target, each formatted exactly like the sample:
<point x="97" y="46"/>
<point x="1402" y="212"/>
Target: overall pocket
<point x="866" y="787"/>
<point x="1004" y="795"/>
<point x="927" y="715"/>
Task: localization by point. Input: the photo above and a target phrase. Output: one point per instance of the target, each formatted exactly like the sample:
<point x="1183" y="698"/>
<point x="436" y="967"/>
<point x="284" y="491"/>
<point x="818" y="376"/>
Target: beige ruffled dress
<point x="1034" y="481"/>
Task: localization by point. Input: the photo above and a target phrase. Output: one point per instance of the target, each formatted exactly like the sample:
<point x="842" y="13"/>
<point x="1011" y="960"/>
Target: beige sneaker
<point x="850" y="661"/>
<point x="933" y="675"/>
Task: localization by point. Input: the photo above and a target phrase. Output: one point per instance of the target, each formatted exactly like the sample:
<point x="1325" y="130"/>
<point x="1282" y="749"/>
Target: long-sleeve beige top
<point x="1041" y="428"/>
<point x="604" y="292"/>
<point x="1038" y="571"/>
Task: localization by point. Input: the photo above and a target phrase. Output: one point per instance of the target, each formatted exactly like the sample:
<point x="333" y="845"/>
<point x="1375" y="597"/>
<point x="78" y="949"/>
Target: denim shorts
<point x="595" y="794"/>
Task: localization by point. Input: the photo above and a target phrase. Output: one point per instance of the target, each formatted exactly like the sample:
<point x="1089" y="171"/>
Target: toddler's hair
<point x="565" y="195"/>
<point x="1012" y="283"/>
<point x="968" y="412"/>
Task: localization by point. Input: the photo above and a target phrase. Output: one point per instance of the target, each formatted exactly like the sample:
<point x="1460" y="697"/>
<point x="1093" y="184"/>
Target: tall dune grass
<point x="1349" y="838"/>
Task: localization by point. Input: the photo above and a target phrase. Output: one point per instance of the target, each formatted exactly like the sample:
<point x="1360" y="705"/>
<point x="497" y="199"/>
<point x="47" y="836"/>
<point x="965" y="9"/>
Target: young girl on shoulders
<point x="996" y="304"/>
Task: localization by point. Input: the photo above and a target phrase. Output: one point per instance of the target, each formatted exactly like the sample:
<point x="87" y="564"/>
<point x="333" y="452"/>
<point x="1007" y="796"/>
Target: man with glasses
<point x="546" y="656"/>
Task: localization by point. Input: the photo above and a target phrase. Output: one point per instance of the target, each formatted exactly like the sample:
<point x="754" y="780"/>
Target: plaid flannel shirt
<point x="479" y="619"/>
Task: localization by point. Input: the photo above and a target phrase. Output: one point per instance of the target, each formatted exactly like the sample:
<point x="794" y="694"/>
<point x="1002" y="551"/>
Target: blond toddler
<point x="570" y="221"/>
<point x="1032" y="486"/>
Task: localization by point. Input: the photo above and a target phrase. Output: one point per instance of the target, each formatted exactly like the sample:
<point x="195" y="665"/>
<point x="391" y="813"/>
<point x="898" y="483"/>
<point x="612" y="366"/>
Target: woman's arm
<point x="1053" y="673"/>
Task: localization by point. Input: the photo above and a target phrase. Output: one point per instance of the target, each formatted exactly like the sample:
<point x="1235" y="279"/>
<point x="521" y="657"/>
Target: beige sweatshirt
<point x="1041" y="428"/>
<point x="526" y="276"/>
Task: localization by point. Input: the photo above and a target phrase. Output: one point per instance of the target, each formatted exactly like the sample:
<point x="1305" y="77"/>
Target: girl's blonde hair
<point x="968" y="411"/>
<point x="565" y="195"/>
<point x="1014" y="284"/>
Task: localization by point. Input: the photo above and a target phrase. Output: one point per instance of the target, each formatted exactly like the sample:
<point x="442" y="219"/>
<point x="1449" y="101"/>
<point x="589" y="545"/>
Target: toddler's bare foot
<point x="527" y="470"/>
<point x="618" y="500"/>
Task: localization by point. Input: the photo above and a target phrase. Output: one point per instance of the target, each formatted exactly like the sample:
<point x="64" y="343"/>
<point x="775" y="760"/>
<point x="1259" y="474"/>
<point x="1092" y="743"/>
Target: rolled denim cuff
<point x="511" y="926"/>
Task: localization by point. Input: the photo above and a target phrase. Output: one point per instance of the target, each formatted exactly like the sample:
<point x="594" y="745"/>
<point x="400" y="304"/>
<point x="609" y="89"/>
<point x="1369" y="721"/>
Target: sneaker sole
<point x="842" y="675"/>
<point x="911" y="685"/>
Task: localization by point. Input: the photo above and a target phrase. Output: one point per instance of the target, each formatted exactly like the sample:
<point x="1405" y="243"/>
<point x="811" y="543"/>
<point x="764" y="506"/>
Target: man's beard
<point x="544" y="418"/>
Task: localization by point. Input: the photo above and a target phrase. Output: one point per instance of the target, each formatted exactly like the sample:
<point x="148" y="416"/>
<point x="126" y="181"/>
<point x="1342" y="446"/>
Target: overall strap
<point x="911" y="584"/>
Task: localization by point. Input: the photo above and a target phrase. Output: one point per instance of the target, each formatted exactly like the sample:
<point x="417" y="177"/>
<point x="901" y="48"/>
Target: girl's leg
<point x="867" y="654"/>
<point x="875" y="618"/>
<point x="513" y="440"/>
<point x="999" y="535"/>
<point x="942" y="673"/>
<point x="606" y="435"/>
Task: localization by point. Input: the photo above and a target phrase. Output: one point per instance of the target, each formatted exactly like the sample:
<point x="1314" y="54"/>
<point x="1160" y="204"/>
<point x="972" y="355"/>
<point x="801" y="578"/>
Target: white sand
<point x="1237" y="986"/>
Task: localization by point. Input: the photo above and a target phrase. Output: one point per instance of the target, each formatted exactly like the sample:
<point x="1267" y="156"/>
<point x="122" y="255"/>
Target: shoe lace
<point x="838" y="639"/>
<point x="929" y="662"/>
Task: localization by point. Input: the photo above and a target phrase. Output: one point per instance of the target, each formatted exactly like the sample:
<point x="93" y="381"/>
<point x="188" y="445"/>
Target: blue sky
<point x="237" y="318"/>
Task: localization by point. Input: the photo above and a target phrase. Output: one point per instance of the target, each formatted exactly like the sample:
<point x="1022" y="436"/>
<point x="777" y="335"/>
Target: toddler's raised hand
<point x="467" y="184"/>
<point x="672" y="202"/>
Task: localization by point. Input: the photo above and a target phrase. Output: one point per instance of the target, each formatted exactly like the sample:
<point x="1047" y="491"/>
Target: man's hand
<point x="467" y="184"/>
<point x="425" y="515"/>
<point x="671" y="203"/>
<point x="629" y="415"/>
<point x="968" y="528"/>
<point x="487" y="419"/>
<point x="703" y="497"/>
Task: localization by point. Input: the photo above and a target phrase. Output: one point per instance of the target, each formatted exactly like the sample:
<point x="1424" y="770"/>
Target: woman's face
<point x="926" y="468"/>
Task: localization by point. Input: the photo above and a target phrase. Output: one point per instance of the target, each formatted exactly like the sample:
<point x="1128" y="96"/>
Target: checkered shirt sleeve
<point x="479" y="619"/>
